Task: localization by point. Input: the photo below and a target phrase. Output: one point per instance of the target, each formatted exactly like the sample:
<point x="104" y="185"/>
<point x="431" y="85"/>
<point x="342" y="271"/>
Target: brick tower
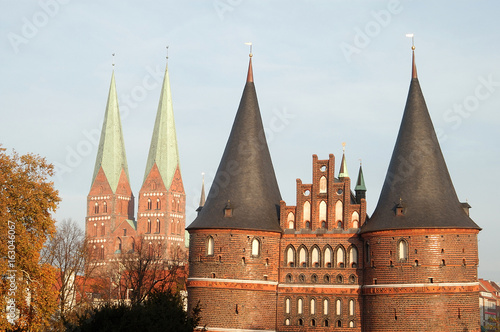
<point x="420" y="271"/>
<point x="110" y="202"/>
<point x="234" y="241"/>
<point x="162" y="200"/>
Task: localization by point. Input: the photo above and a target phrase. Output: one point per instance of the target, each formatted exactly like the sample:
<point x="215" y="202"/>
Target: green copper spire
<point x="360" y="184"/>
<point x="343" y="165"/>
<point x="163" y="150"/>
<point x="111" y="152"/>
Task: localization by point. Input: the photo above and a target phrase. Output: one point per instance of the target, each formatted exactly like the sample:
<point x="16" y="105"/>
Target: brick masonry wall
<point x="422" y="312"/>
<point x="237" y="309"/>
<point x="458" y="249"/>
<point x="230" y="248"/>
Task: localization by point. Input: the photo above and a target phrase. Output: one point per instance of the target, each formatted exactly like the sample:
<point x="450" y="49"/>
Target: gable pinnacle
<point x="343" y="164"/>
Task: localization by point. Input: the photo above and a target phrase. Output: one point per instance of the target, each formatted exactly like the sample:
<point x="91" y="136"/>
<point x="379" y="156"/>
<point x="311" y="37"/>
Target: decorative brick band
<point x="220" y="329"/>
<point x="232" y="284"/>
<point x="421" y="288"/>
<point x="320" y="289"/>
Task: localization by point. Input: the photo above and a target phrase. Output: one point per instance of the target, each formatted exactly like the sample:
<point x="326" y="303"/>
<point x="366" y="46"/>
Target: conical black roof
<point x="417" y="177"/>
<point x="245" y="181"/>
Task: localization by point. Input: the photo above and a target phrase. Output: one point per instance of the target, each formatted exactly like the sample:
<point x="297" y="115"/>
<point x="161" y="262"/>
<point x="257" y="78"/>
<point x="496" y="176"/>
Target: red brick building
<point x="111" y="226"/>
<point x="258" y="264"/>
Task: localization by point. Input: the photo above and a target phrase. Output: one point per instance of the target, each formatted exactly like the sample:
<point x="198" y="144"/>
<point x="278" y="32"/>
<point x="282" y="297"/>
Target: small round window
<point x="323" y="168"/>
<point x="340" y="191"/>
<point x="307" y="193"/>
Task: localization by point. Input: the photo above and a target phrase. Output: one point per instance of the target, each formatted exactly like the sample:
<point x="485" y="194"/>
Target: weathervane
<point x="343" y="146"/>
<point x="412" y="36"/>
<point x="250" y="44"/>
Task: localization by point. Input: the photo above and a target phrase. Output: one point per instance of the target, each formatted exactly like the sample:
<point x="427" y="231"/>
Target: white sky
<point x="55" y="71"/>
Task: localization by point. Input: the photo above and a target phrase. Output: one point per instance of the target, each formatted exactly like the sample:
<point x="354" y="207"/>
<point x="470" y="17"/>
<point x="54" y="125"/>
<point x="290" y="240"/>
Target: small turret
<point x="360" y="188"/>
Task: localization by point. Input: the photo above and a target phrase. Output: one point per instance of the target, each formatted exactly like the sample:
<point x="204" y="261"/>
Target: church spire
<point x="163" y="149"/>
<point x="417" y="176"/>
<point x="111" y="152"/>
<point x="244" y="193"/>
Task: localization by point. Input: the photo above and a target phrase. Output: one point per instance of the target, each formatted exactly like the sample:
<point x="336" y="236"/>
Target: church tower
<point x="162" y="200"/>
<point x="421" y="250"/>
<point x="110" y="202"/>
<point x="234" y="241"/>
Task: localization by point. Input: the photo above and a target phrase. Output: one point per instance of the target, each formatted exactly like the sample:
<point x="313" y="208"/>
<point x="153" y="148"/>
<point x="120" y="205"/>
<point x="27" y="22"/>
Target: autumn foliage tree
<point x="27" y="200"/>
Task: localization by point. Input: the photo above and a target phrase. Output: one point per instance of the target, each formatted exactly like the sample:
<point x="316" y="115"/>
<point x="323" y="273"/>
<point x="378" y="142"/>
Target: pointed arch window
<point x="101" y="252"/>
<point x="149" y="226"/>
<point x="312" y="306"/>
<point x="353" y="257"/>
<point x="303" y="257"/>
<point x="178" y="227"/>
<point x="96" y="208"/>
<point x="351" y="307"/>
<point x="158" y="204"/>
<point x="178" y="206"/>
<point x="315" y="257"/>
<point x="95" y="229"/>
<point x="150" y="204"/>
<point x="291" y="220"/>
<point x="328" y="257"/>
<point x="322" y="211"/>
<point x="105" y="207"/>
<point x="338" y="307"/>
<point x="339" y="211"/>
<point x="402" y="250"/>
<point x="306" y="212"/>
<point x="300" y="306"/>
<point x="290" y="257"/>
<point x="103" y="229"/>
<point x="287" y="305"/>
<point x="210" y="246"/>
<point x="355" y="220"/>
<point x="255" y="247"/>
<point x="322" y="185"/>
<point x="325" y="306"/>
<point x="157" y="226"/>
<point x="119" y="245"/>
<point x="340" y="255"/>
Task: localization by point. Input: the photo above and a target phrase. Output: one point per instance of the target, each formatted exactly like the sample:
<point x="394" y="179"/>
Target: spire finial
<point x="113" y="61"/>
<point x="250" y="44"/>
<point x="360" y="162"/>
<point x="250" y="71"/>
<point x="167" y="54"/>
<point x="414" y="67"/>
<point x="343" y="147"/>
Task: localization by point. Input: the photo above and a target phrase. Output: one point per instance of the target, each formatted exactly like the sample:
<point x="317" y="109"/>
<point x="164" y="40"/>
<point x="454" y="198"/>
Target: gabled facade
<point x="258" y="264"/>
<point x="111" y="226"/>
